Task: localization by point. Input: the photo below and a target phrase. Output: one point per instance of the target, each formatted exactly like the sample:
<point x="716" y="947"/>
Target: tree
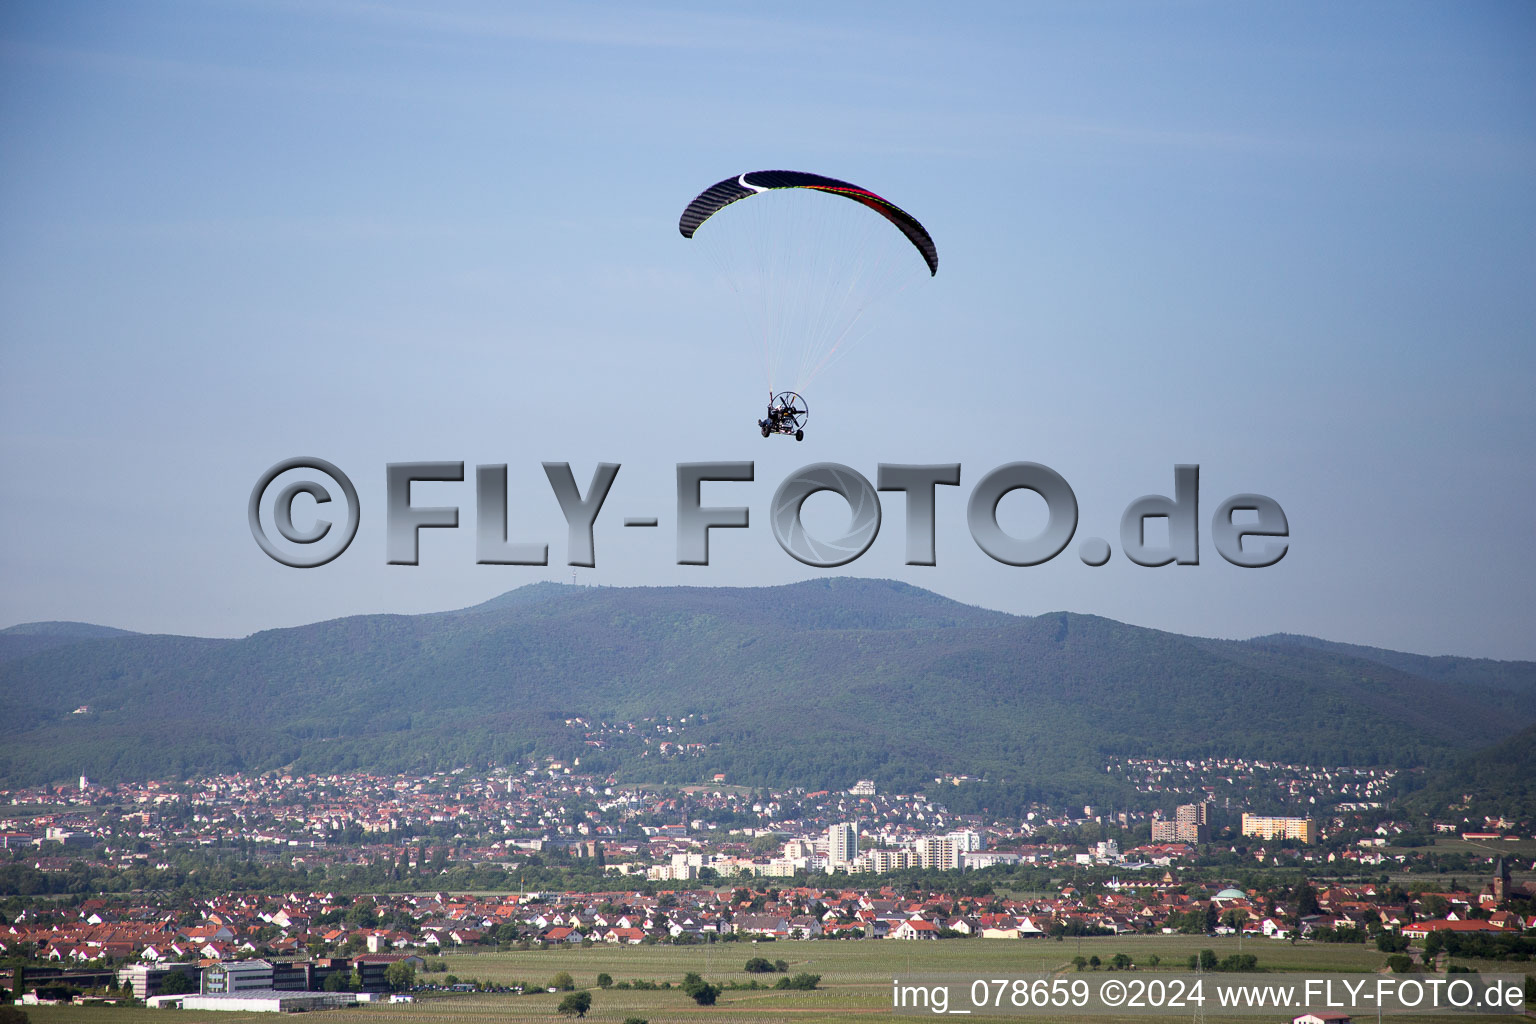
<point x="702" y="992"/>
<point x="1120" y="961"/>
<point x="563" y="981"/>
<point x="400" y="976"/>
<point x="1079" y="962"/>
<point x="576" y="1004"/>
<point x="1095" y="962"/>
<point x="1306" y="902"/>
<point x="177" y="983"/>
<point x="604" y="980"/>
<point x="802" y="982"/>
<point x="758" y="965"/>
<point x="364" y="915"/>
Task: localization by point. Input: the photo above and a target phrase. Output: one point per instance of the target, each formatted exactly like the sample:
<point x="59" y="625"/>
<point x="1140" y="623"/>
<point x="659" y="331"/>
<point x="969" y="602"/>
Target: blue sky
<point x="1291" y="243"/>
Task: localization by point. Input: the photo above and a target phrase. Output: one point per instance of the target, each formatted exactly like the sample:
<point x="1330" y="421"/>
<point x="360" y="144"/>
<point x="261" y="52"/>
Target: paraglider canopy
<point x="809" y="261"/>
<point x="723" y="193"/>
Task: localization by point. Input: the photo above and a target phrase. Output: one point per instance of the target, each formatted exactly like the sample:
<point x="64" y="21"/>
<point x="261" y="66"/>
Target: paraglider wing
<point x="724" y="193"/>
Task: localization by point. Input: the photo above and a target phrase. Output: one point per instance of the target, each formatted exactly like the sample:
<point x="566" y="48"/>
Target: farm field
<point x="856" y="980"/>
<point x="1519" y="849"/>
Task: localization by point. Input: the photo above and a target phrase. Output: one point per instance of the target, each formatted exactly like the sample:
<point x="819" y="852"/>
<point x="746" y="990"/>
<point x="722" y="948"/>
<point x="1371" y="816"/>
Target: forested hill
<point x="31" y="637"/>
<point x="1496" y="780"/>
<point x="816" y="683"/>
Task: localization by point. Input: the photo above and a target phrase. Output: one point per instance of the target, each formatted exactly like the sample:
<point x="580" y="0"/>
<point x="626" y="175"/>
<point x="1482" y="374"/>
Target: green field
<point x="1520" y="849"/>
<point x="856" y="980"/>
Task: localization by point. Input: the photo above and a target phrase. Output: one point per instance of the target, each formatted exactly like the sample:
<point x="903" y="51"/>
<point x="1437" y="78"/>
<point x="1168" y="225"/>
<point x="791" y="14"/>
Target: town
<point x="359" y="893"/>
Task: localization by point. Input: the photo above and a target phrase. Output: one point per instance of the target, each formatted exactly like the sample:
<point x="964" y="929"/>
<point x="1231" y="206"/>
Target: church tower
<point x="1500" y="880"/>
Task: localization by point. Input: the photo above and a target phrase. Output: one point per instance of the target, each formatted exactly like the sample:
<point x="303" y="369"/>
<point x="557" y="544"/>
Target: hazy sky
<point x="1292" y="243"/>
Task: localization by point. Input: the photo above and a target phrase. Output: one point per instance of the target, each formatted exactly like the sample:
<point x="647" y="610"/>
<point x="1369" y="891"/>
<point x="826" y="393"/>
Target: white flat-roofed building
<point x="967" y="840"/>
<point x="255" y="1001"/>
<point x="987" y="858"/>
<point x="880" y="861"/>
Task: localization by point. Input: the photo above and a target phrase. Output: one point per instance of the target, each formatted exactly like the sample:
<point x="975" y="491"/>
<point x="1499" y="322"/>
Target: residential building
<point x="939" y="852"/>
<point x="1190" y="824"/>
<point x="1261" y="827"/>
<point x="842" y="845"/>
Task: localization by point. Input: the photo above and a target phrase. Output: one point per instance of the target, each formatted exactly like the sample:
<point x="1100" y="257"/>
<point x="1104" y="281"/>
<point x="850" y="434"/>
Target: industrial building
<point x="255" y="1000"/>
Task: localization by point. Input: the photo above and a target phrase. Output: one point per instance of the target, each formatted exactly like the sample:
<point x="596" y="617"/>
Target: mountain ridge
<point x="810" y="683"/>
